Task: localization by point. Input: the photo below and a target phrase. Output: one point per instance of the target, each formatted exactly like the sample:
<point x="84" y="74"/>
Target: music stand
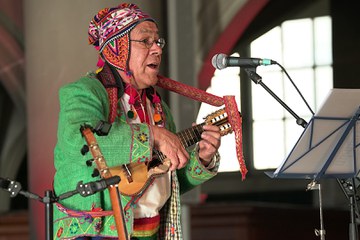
<point x="329" y="145"/>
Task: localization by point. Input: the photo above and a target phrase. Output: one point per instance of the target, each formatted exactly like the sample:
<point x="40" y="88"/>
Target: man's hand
<point x="209" y="144"/>
<point x="169" y="144"/>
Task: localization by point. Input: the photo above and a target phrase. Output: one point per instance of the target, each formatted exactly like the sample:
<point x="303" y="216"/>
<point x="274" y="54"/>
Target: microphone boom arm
<point x="257" y="79"/>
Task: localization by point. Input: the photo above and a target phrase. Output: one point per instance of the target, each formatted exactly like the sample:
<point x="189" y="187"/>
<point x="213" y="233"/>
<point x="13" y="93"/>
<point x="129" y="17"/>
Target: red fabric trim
<point x="135" y="101"/>
<point x="146" y="227"/>
<point x="112" y="93"/>
<point x="235" y="121"/>
<point x="203" y="96"/>
<point x="189" y="91"/>
<point x="229" y="38"/>
<point x="79" y="214"/>
<point x="146" y="221"/>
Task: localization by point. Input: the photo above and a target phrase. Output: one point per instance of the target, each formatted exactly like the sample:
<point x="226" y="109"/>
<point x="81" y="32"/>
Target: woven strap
<point x="231" y="108"/>
<point x="107" y="78"/>
<point x="83" y="214"/>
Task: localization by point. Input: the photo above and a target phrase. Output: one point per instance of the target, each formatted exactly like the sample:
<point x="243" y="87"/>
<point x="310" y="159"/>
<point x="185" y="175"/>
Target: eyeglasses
<point x="148" y="43"/>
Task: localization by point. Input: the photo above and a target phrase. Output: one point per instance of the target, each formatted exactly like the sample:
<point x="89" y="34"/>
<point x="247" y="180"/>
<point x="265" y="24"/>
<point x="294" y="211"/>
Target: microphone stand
<point x="348" y="186"/>
<point x="349" y="189"/>
<point x="257" y="79"/>
<point x="84" y="189"/>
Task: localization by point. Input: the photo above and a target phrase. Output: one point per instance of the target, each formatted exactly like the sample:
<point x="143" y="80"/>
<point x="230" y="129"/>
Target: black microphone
<point x="86" y="189"/>
<point x="4" y="183"/>
<point x="14" y="188"/>
<point x="221" y="61"/>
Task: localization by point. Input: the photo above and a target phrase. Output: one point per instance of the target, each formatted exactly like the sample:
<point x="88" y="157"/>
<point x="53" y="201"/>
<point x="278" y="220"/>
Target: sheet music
<point x="314" y="152"/>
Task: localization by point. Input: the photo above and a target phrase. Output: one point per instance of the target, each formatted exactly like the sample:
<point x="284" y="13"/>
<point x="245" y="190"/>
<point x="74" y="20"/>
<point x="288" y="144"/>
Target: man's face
<point x="144" y="62"/>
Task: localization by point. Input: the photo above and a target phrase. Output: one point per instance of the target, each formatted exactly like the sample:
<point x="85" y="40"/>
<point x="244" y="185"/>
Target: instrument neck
<point x="190" y="136"/>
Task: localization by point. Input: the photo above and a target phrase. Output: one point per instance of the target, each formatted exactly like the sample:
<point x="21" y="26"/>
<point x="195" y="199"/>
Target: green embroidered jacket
<point x="86" y="102"/>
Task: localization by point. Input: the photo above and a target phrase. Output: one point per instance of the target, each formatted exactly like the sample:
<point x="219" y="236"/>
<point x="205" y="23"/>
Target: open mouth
<point x="153" y="66"/>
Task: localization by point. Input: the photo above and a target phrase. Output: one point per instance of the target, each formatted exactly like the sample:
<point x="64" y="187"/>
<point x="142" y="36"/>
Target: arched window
<point x="303" y="47"/>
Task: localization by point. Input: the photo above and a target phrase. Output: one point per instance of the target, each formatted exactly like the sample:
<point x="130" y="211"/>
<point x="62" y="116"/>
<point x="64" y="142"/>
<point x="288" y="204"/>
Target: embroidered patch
<point x="143" y="137"/>
<point x="85" y="219"/>
<point x="70" y="227"/>
<point x="127" y="216"/>
<point x="60" y="232"/>
<point x="172" y="230"/>
<point x="74" y="227"/>
<point x="142" y="159"/>
<point x="97" y="226"/>
<point x="198" y="170"/>
<point x="113" y="227"/>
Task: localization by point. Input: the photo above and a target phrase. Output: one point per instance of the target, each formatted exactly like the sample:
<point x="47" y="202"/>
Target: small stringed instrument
<point x="103" y="169"/>
<point x="136" y="176"/>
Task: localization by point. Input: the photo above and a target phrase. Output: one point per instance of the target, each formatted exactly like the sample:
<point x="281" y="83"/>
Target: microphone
<point x="4" y="183"/>
<point x="221" y="61"/>
<point x="14" y="188"/>
<point x="86" y="189"/>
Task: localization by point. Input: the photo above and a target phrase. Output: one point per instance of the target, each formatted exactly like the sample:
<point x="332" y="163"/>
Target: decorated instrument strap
<point x="231" y="108"/>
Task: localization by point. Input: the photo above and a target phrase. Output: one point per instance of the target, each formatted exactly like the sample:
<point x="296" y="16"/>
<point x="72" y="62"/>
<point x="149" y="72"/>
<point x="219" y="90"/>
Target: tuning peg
<point x="89" y="162"/>
<point x="84" y="149"/>
<point x="95" y="173"/>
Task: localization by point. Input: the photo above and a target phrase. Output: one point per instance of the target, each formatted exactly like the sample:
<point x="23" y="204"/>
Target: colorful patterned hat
<point x="109" y="32"/>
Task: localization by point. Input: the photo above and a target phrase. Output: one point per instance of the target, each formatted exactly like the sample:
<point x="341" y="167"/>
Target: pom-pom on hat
<point x="109" y="32"/>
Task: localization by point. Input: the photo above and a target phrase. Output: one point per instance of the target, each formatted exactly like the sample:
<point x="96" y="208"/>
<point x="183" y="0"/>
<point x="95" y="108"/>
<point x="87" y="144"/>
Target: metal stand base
<point x="318" y="232"/>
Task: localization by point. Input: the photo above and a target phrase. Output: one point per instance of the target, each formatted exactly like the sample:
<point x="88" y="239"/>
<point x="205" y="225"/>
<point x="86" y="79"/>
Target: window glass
<point x="306" y="56"/>
<point x="323" y="40"/>
<point x="297" y="39"/>
<point x="268" y="143"/>
<point x="324" y="82"/>
<point x="303" y="79"/>
<point x="268" y="45"/>
<point x="264" y="105"/>
<point x="303" y="48"/>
